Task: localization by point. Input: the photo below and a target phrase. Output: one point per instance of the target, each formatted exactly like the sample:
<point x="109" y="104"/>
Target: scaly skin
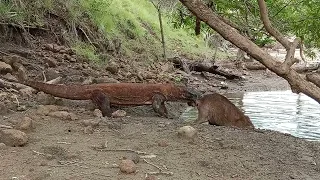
<point x="123" y="94"/>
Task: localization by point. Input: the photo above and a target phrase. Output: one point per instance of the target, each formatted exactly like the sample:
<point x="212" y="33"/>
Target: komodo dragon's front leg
<point x="158" y="105"/>
<point x="102" y="101"/>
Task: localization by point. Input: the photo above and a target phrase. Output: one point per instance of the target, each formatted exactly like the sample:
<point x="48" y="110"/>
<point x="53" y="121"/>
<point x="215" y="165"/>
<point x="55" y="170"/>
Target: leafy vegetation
<point x="134" y="22"/>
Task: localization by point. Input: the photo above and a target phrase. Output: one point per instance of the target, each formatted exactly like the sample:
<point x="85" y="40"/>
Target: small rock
<point x="58" y="48"/>
<point x="51" y="73"/>
<point x="86" y="122"/>
<point x="25" y="124"/>
<point x="43" y="163"/>
<point x="115" y="126"/>
<point x="67" y="57"/>
<point x="10" y="77"/>
<point x="13" y="137"/>
<point x="163" y="143"/>
<point x="127" y="166"/>
<point x="135" y="158"/>
<point x="45" y="110"/>
<point x="73" y="60"/>
<point x="85" y="65"/>
<point x="26" y="92"/>
<point x="62" y="51"/>
<point x="50" y="61"/>
<point x="91" y="122"/>
<point x="87" y="81"/>
<point x="63" y="115"/>
<point x="88" y="130"/>
<point x="97" y="113"/>
<point x="48" y="47"/>
<point x="71" y="52"/>
<point x="45" y="99"/>
<point x="113" y="68"/>
<point x="187" y="132"/>
<point x="2" y="146"/>
<point x="5" y="68"/>
<point x="58" y="58"/>
<point x="21" y="108"/>
<point x="119" y="113"/>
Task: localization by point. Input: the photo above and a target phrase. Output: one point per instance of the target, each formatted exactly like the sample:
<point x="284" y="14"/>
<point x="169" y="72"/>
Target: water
<point x="283" y="111"/>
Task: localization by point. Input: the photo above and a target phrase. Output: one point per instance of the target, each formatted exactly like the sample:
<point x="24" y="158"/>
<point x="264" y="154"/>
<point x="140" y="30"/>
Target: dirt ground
<point x="86" y="146"/>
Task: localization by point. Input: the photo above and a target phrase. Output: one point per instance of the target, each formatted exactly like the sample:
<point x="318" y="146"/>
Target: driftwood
<point x="187" y="67"/>
<point x="299" y="69"/>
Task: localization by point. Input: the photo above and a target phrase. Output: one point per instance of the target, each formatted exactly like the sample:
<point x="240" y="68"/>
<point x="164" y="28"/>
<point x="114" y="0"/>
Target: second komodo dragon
<point x="121" y="94"/>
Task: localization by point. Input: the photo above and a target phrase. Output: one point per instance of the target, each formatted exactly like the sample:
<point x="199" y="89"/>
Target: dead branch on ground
<point x="201" y="67"/>
<point x="160" y="172"/>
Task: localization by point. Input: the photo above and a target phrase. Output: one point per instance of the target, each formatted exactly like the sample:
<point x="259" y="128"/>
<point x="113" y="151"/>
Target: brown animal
<point x="218" y="110"/>
<point x="122" y="94"/>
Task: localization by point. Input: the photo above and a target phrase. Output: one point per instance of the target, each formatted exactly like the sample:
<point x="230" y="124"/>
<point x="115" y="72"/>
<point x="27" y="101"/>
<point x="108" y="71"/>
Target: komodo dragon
<point x="123" y="94"/>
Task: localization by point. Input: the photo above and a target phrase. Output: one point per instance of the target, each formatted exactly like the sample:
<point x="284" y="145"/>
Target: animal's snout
<point x="192" y="95"/>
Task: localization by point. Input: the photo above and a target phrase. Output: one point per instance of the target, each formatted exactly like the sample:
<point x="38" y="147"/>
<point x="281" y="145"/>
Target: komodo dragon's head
<point x="186" y="94"/>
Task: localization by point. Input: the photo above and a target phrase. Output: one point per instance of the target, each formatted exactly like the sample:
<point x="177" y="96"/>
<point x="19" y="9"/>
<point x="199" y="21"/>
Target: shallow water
<point x="283" y="111"/>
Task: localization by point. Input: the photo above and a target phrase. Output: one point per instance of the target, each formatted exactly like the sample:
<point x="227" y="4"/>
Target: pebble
<point x="127" y="166"/>
<point x="2" y="146"/>
<point x="119" y="113"/>
<point x="91" y="122"/>
<point x="25" y="124"/>
<point x="46" y="109"/>
<point x="187" y="132"/>
<point x="21" y="108"/>
<point x="163" y="143"/>
<point x="13" y="137"/>
<point x="5" y="68"/>
<point x="50" y="61"/>
<point x="97" y="113"/>
<point x="44" y="98"/>
<point x="88" y="130"/>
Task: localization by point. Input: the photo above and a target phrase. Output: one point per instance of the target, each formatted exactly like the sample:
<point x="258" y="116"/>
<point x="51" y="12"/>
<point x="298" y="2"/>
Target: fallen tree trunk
<point x="201" y="67"/>
<point x="259" y="66"/>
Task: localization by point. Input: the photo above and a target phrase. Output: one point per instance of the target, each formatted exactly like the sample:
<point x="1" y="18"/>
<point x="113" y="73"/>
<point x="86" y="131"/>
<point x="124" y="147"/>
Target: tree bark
<point x="297" y="82"/>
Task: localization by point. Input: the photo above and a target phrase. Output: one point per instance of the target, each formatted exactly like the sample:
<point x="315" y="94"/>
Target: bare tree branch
<point x="267" y="24"/>
<point x="290" y="60"/>
<point x="297" y="82"/>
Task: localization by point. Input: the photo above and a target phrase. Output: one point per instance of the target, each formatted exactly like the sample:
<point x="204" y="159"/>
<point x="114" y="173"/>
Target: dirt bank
<point x="68" y="147"/>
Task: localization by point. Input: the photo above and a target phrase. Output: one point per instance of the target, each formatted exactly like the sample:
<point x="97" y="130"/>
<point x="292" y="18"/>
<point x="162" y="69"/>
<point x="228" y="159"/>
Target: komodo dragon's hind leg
<point x="102" y="101"/>
<point x="159" y="106"/>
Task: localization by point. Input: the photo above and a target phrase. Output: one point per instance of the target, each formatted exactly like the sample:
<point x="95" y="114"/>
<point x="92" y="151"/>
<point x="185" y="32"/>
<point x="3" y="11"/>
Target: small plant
<point x="86" y="50"/>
